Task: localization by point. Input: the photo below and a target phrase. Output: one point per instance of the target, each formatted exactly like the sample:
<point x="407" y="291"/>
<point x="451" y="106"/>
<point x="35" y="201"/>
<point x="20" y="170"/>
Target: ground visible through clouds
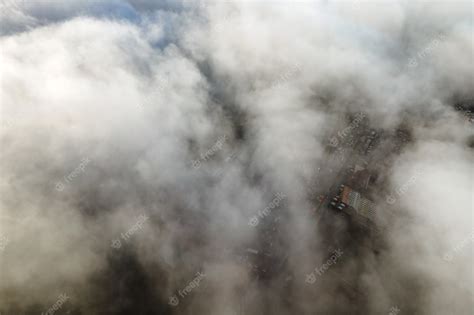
<point x="236" y="158"/>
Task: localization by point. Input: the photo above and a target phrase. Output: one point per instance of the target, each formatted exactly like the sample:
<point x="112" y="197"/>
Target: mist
<point x="180" y="157"/>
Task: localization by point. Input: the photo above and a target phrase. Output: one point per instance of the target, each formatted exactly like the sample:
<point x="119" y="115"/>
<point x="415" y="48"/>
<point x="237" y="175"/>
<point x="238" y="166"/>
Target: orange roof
<point x="345" y="194"/>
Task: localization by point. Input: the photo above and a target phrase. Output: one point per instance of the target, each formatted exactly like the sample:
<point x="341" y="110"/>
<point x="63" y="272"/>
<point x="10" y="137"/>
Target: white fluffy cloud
<point x="145" y="89"/>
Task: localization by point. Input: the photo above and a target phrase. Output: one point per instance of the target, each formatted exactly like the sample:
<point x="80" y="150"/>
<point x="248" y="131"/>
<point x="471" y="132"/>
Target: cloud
<point x="141" y="89"/>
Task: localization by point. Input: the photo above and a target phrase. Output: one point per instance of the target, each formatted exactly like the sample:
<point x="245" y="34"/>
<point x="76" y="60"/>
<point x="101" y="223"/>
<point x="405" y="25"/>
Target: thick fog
<point x="144" y="144"/>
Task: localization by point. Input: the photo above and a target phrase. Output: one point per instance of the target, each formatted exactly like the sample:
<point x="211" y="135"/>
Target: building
<point x="361" y="209"/>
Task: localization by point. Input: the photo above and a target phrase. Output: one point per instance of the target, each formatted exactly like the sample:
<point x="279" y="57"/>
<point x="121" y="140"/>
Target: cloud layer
<point x="196" y="116"/>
